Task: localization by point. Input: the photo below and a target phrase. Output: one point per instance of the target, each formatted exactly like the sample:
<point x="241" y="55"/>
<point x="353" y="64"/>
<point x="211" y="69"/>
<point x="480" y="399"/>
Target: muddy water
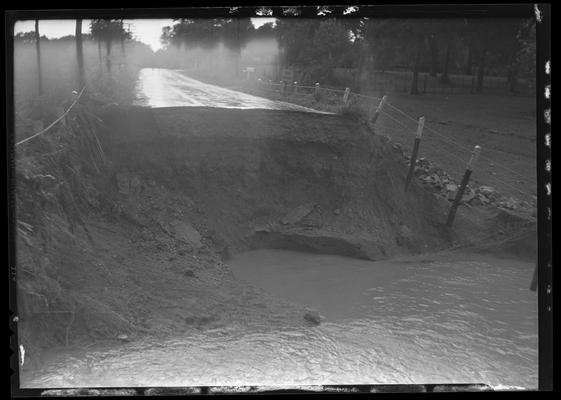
<point x="411" y="321"/>
<point x="159" y="87"/>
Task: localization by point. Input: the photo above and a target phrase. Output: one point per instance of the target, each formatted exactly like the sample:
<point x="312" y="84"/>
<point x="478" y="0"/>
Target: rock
<point x="123" y="337"/>
<point x="313" y="317"/>
<point x="486" y="190"/>
<point x="184" y="232"/>
<point x="419" y="172"/>
<point x="297" y="214"/>
<point x="189" y="273"/>
<point x="452" y="187"/>
<point x="483" y="199"/>
<point x="467" y="197"/>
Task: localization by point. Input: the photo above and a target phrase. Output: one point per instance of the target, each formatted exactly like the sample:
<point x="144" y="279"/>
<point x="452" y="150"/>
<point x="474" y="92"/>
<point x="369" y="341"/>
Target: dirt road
<point x="158" y="87"/>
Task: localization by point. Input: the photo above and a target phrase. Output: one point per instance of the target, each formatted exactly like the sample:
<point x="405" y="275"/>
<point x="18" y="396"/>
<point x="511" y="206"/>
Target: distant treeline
<point x="439" y="47"/>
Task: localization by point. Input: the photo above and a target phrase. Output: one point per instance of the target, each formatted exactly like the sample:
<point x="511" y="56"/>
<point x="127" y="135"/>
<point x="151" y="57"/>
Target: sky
<point x="145" y="30"/>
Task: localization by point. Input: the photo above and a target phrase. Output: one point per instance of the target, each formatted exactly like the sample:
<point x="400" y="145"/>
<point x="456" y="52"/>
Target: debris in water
<point x="313" y="317"/>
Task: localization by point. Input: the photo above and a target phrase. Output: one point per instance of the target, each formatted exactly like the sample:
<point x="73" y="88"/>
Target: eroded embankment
<point x="259" y="178"/>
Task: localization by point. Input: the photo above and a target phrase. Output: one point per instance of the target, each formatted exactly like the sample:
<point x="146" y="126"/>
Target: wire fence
<point x="56" y="121"/>
<point x="395" y="119"/>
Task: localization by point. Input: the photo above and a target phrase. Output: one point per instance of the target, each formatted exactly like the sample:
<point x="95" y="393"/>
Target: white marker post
<point x="378" y="110"/>
<point x="465" y="180"/>
<point x="346" y="96"/>
<point x="295" y="87"/>
<point x="316" y="91"/>
<point x="416" y="145"/>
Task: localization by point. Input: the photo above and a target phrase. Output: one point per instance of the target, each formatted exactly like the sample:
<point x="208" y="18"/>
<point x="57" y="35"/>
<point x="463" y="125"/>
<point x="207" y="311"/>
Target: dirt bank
<point x="136" y="240"/>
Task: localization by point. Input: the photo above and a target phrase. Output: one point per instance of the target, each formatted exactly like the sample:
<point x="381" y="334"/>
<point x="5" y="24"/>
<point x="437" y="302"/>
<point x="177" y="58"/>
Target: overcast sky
<point x="146" y="30"/>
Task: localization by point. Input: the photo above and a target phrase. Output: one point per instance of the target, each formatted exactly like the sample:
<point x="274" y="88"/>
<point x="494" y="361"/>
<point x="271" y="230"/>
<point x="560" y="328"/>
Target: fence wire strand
<point x="55" y="121"/>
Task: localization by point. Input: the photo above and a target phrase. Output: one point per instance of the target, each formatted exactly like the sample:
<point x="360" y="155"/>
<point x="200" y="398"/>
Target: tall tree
<point x="400" y="42"/>
<point x="80" y="54"/>
<point x="38" y="50"/>
<point x="433" y="44"/>
<point x="108" y="31"/>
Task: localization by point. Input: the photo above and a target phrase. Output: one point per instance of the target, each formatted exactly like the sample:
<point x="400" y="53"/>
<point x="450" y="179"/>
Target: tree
<point x="494" y="44"/>
<point x="108" y="30"/>
<point x="526" y="54"/>
<point x="400" y="41"/>
<point x="38" y="49"/>
<point x="433" y="44"/>
<point x="234" y="33"/>
<point x="80" y="54"/>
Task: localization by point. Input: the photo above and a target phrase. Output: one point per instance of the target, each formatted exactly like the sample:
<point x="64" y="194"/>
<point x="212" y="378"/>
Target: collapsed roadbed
<point x="138" y="243"/>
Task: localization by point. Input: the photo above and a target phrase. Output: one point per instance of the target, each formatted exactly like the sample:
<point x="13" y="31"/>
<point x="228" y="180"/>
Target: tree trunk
<point x="108" y="59"/>
<point x="122" y="37"/>
<point x="38" y="47"/>
<point x="445" y="78"/>
<point x="99" y="53"/>
<point x="481" y="72"/>
<point x="433" y="56"/>
<point x="468" y="70"/>
<point x="80" y="54"/>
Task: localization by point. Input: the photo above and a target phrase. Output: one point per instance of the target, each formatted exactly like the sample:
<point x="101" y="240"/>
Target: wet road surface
<point x="159" y="87"/>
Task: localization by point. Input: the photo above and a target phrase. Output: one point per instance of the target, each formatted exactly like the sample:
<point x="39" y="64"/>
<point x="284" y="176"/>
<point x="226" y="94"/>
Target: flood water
<point x="422" y="320"/>
<point x="160" y="87"/>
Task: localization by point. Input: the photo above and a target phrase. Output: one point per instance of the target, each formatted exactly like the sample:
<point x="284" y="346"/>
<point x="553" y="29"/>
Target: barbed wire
<point x="54" y="122"/>
<point x="397" y="122"/>
<point x="458" y="144"/>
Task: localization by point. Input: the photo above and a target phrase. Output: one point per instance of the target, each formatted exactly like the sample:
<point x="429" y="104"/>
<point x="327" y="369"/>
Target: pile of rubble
<point x="443" y="185"/>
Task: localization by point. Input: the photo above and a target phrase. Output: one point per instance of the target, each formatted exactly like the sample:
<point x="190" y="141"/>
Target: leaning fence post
<point x="378" y="109"/>
<point x="416" y="144"/>
<point x="465" y="180"/>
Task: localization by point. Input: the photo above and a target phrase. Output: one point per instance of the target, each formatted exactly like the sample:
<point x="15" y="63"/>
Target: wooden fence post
<point x="316" y="91"/>
<point x="416" y="145"/>
<point x="465" y="180"/>
<point x="378" y="109"/>
<point x="346" y="96"/>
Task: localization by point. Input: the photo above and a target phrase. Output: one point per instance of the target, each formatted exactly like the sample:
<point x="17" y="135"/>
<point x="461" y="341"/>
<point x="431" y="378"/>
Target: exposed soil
<point x="139" y="243"/>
